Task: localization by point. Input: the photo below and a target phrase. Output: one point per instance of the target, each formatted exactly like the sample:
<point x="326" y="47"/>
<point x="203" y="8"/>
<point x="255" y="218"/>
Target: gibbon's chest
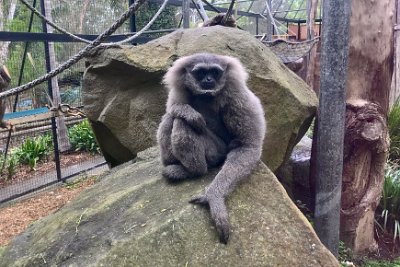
<point x="212" y="114"/>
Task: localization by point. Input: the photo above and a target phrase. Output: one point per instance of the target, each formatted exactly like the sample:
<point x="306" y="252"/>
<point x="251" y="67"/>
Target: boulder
<point x="133" y="217"/>
<point x="294" y="174"/>
<point x="124" y="98"/>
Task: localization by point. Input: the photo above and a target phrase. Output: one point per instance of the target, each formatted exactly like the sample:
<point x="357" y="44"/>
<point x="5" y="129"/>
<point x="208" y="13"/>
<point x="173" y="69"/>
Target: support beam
<point x="331" y="118"/>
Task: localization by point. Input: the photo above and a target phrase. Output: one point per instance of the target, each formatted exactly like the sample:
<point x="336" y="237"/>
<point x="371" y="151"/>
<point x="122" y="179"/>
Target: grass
<point x="394" y="131"/>
<point x="389" y="205"/>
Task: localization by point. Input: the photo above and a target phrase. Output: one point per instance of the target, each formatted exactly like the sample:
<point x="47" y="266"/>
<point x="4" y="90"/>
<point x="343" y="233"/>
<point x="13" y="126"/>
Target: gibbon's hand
<point x="190" y="115"/>
<point x="218" y="212"/>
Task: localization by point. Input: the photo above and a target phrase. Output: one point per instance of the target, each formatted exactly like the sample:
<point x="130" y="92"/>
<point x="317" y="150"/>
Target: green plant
<point x="82" y="137"/>
<point x="345" y="254"/>
<point x="390" y="202"/>
<point x="373" y="263"/>
<point x="394" y="131"/>
<point x="11" y="165"/>
<point x="33" y="150"/>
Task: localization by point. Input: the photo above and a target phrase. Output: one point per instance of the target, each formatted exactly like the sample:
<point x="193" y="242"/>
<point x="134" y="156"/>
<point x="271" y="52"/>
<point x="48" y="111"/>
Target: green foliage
<point x="390" y="202"/>
<point x="166" y="20"/>
<point x="33" y="150"/>
<point x="395" y="263"/>
<point x="394" y="131"/>
<point x="10" y="166"/>
<point x="82" y="137"/>
<point x="345" y="254"/>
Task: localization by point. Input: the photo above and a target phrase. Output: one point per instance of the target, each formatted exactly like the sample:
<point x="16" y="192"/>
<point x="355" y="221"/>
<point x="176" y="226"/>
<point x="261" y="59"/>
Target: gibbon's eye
<point x="216" y="73"/>
<point x="199" y="73"/>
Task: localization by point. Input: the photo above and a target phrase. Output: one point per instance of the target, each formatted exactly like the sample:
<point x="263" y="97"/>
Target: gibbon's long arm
<point x="245" y="120"/>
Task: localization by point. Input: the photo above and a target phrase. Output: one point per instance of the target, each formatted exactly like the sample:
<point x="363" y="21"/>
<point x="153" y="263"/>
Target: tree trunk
<point x="62" y="132"/>
<point x="366" y="134"/>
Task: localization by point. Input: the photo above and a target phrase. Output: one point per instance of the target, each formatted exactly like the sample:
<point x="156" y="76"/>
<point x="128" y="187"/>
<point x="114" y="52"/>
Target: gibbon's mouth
<point x="207" y="85"/>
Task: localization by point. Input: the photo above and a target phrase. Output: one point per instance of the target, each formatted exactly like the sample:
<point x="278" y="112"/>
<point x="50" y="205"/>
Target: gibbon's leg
<point x="239" y="164"/>
<point x="215" y="149"/>
<point x="188" y="148"/>
<point x="164" y="140"/>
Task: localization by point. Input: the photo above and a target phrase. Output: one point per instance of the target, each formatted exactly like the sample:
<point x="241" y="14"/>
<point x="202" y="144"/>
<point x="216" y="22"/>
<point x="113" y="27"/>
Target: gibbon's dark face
<point x="207" y="75"/>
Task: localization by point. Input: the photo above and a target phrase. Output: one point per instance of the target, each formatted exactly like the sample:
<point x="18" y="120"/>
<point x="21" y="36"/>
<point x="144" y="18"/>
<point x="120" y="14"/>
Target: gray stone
<point x="124" y="98"/>
<point x="133" y="217"/>
<point x="295" y="173"/>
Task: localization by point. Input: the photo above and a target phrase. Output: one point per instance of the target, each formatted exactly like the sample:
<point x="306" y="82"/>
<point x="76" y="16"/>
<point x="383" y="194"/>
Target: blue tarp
<point x="24" y="113"/>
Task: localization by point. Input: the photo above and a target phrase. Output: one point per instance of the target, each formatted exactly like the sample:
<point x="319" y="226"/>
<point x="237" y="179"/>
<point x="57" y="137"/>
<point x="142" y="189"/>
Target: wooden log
<point x="366" y="144"/>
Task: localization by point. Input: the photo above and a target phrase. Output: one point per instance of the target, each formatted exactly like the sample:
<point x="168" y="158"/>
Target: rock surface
<point x="124" y="98"/>
<point x="133" y="217"/>
<point x="295" y="173"/>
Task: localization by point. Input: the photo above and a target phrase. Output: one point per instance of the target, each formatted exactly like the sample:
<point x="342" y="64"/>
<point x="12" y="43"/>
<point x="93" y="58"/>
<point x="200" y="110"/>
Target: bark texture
<point x="366" y="135"/>
<point x="365" y="151"/>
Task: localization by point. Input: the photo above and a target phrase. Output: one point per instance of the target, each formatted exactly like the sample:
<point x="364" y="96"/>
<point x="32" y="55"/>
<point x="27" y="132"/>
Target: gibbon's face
<point x="206" y="75"/>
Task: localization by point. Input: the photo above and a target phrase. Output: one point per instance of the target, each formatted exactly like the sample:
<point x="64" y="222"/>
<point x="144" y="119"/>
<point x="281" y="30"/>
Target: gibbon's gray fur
<point x="211" y="118"/>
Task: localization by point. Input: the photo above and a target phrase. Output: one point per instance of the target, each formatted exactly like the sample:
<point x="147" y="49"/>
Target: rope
<point x="34" y="10"/>
<point x="145" y="28"/>
<point x="77" y="56"/>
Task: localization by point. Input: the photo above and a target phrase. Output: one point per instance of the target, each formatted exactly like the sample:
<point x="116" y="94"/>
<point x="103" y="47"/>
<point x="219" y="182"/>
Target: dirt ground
<point x="17" y="217"/>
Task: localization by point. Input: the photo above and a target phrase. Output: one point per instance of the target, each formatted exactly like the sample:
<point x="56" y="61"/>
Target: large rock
<point x="124" y="98"/>
<point x="133" y="217"/>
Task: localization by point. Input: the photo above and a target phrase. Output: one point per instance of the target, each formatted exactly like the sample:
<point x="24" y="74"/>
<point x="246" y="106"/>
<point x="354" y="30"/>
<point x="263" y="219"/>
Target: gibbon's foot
<point x="219" y="215"/>
<point x="175" y="172"/>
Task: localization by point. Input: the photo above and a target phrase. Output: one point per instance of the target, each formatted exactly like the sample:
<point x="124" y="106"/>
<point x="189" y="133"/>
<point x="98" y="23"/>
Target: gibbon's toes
<point x="223" y="232"/>
<point x="175" y="173"/>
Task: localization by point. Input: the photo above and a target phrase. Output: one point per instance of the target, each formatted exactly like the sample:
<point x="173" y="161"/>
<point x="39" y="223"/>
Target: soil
<point x="16" y="218"/>
<point x="24" y="172"/>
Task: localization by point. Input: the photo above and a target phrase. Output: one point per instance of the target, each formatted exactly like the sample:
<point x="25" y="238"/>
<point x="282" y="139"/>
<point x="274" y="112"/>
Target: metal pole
<point x="331" y="119"/>
<point x="132" y="21"/>
<point x="53" y="119"/>
<point x="186" y="13"/>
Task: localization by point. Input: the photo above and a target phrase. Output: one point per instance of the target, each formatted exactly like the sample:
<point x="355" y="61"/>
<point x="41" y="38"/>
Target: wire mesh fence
<point x="45" y="148"/>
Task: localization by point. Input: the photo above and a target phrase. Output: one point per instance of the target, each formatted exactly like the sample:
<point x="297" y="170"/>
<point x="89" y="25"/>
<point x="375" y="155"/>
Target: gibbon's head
<point x="201" y="74"/>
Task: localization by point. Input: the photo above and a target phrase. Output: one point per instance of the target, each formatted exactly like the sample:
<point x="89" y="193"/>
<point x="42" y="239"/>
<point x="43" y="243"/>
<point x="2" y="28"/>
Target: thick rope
<point x="77" y="56"/>
<point x="129" y="39"/>
<point x="34" y="10"/>
<point x="145" y="28"/>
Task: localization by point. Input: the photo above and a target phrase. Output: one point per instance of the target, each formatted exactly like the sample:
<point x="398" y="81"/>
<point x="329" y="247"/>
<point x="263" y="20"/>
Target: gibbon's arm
<point x="245" y="121"/>
<point x="188" y="114"/>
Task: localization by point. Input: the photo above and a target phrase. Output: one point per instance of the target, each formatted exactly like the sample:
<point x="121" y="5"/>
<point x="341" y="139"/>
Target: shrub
<point x="33" y="150"/>
<point x="394" y="131"/>
<point x="390" y="201"/>
<point x="82" y="137"/>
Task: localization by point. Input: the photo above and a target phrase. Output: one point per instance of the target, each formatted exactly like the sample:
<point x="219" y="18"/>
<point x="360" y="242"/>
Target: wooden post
<point x="186" y="13"/>
<point x="331" y="122"/>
